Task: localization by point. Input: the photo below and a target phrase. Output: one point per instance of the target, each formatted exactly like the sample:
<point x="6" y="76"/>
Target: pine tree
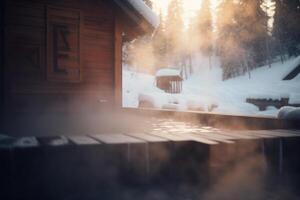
<point x="225" y="25"/>
<point x="159" y="42"/>
<point x="174" y="28"/>
<point x="279" y="29"/>
<point x="227" y="41"/>
<point x="286" y="25"/>
<point x="241" y="30"/>
<point x="268" y="6"/>
<point x="204" y="30"/>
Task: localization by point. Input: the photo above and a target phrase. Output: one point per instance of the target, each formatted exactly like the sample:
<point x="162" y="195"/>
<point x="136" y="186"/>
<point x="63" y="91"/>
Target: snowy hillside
<point x="205" y="90"/>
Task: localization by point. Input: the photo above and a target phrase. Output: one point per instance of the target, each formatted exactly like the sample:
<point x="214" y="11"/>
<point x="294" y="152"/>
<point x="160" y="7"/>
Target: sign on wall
<point x="63" y="44"/>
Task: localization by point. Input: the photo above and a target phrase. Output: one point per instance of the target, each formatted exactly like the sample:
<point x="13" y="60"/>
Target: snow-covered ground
<point x="205" y="90"/>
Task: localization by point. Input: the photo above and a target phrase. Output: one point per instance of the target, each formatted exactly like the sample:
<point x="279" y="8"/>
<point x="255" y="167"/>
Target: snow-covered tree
<point x="201" y="30"/>
<point x="241" y="32"/>
<point x="204" y="27"/>
<point x="174" y="27"/>
<point x="159" y="42"/>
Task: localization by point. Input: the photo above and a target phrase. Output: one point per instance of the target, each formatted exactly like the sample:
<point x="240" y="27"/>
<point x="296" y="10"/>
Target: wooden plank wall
<point x="118" y="62"/>
<point x="28" y="86"/>
<point x="1" y="56"/>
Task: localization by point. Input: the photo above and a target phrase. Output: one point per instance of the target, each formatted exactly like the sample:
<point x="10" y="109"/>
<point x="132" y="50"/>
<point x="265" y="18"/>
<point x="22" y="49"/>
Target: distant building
<point x="169" y="80"/>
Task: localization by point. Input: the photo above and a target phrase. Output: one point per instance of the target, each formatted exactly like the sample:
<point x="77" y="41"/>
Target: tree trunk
<point x="209" y="60"/>
<point x="281" y="51"/>
<point x="246" y="56"/>
<point x="190" y="63"/>
<point x="268" y="52"/>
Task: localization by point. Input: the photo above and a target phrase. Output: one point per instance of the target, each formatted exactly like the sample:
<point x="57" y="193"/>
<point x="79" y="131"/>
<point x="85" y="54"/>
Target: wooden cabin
<point x="169" y="80"/>
<point x="65" y="55"/>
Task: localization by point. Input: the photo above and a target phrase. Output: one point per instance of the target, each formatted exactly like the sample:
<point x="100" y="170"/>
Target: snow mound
<point x="152" y="100"/>
<point x="170" y="106"/>
<point x="168" y="72"/>
<point x="204" y="90"/>
<point x="2" y="137"/>
<point x="288" y="112"/>
<point x="26" y="142"/>
<point x="294" y="98"/>
<point x="145" y="11"/>
<point x="196" y="105"/>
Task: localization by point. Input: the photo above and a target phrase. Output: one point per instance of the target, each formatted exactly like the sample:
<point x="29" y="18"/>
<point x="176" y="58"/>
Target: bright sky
<point x="269" y="6"/>
<point x="189" y="7"/>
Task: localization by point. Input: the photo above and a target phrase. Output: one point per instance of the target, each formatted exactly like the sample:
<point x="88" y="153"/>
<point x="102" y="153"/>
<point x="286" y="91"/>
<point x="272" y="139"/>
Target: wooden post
<point x="181" y="86"/>
<point x="118" y="64"/>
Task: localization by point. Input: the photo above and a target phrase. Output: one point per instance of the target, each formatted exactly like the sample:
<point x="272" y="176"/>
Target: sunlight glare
<point x="190" y="7"/>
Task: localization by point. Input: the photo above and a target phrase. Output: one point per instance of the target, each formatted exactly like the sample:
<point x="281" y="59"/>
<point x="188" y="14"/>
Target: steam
<point x="139" y="55"/>
<point x="224" y="171"/>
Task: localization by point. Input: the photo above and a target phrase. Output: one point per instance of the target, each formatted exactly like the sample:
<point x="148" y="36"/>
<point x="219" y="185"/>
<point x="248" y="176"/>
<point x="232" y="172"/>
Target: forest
<point x="244" y="34"/>
<point x="234" y="56"/>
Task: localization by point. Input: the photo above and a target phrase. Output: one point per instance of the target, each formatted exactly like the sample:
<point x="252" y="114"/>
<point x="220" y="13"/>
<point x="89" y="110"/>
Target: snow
<point x="59" y="141"/>
<point x="6" y="142"/>
<point x="205" y="90"/>
<point x="26" y="142"/>
<point x="138" y="85"/>
<point x="271" y="111"/>
<point x="268" y="96"/>
<point x="290" y="113"/>
<point x="2" y="137"/>
<point x="145" y="11"/>
<point x="294" y="98"/>
<point x="295" y="63"/>
<point x="168" y="72"/>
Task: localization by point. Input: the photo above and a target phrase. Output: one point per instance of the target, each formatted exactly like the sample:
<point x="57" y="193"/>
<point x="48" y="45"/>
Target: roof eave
<point x="141" y="24"/>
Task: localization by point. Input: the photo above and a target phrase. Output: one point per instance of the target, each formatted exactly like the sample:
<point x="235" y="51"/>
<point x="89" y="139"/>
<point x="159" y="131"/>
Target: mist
<point x="226" y="46"/>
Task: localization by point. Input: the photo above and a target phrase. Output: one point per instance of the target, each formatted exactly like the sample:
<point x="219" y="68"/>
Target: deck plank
<point x="147" y="137"/>
<point x="238" y="135"/>
<point x="262" y="133"/>
<point x="116" y="139"/>
<point x="82" y="140"/>
<point x="25" y="142"/>
<point x="195" y="138"/>
<point x="2" y="137"/>
<point x="217" y="134"/>
<point x="251" y="133"/>
<point x="289" y="133"/>
<point x="170" y="136"/>
<point x="277" y="133"/>
<point x="53" y="140"/>
<point x="213" y="137"/>
<point x="259" y="133"/>
<point x="6" y="142"/>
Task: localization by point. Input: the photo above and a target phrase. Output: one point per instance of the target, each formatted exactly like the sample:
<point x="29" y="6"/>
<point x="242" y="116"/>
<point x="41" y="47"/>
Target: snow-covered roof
<point x="141" y="7"/>
<point x="168" y="72"/>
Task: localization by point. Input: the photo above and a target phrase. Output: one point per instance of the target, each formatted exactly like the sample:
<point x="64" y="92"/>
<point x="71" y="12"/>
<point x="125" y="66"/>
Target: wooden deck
<point x="208" y="138"/>
<point x="164" y="154"/>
